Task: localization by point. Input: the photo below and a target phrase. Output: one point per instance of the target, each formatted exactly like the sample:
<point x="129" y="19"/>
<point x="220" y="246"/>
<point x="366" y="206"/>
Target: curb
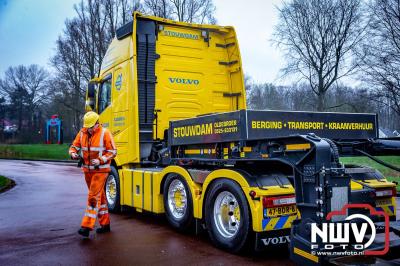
<point x="9" y="186"/>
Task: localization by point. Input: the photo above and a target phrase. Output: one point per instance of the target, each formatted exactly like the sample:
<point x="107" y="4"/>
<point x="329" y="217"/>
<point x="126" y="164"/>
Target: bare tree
<point x="193" y="11"/>
<point x="3" y="110"/>
<point x="382" y="50"/>
<point x="296" y="97"/>
<point x="69" y="63"/>
<point x="81" y="49"/>
<point x="119" y="12"/>
<point x="26" y="89"/>
<point x="159" y="8"/>
<point x="319" y="38"/>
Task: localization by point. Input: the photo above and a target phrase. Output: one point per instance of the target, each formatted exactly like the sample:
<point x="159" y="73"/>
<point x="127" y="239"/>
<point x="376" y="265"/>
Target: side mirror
<point x="91" y="91"/>
<point x="90" y="104"/>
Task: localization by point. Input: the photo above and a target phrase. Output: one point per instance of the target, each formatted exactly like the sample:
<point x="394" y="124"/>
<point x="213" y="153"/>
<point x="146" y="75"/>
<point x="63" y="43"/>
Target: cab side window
<point x="105" y="94"/>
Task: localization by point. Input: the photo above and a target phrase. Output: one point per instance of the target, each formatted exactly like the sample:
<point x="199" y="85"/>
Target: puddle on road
<point x="31" y="163"/>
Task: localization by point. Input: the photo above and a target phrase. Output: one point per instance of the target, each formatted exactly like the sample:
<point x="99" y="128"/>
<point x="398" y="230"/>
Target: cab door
<point x="120" y="119"/>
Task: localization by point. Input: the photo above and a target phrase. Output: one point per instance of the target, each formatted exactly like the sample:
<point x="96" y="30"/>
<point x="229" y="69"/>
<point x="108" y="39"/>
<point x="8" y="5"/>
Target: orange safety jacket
<point x="98" y="145"/>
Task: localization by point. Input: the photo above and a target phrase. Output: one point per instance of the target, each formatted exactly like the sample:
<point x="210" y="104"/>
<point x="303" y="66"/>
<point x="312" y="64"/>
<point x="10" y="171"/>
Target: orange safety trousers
<point x="97" y="203"/>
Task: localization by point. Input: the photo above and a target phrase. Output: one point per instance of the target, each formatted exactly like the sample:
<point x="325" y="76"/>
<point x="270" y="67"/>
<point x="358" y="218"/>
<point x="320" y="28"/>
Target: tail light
<point x="389" y="192"/>
<point x="270" y="202"/>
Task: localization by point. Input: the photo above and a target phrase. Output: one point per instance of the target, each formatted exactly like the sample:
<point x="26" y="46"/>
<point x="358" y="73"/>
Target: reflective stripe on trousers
<point x="103" y="215"/>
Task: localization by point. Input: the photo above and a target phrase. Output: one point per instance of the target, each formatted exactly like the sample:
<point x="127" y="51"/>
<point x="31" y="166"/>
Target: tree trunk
<point x="321" y="102"/>
<point x="20" y="117"/>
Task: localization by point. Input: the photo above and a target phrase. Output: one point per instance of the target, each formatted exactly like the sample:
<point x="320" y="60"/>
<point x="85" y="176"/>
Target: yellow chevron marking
<point x="271" y="224"/>
<point x="305" y="255"/>
<point x="289" y="221"/>
<point x="387" y="210"/>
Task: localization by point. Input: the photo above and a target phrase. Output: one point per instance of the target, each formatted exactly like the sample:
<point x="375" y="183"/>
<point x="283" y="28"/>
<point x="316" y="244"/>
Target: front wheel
<point x="178" y="203"/>
<point x="112" y="190"/>
<point x="227" y="216"/>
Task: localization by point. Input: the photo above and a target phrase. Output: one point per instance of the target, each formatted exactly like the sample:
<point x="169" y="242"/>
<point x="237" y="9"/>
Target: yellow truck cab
<point x="158" y="71"/>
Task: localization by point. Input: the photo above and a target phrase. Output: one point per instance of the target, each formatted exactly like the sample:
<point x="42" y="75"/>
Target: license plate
<point x="383" y="202"/>
<point x="284" y="210"/>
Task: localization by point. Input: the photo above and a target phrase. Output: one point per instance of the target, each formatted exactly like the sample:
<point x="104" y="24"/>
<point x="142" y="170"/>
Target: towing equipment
<point x="173" y="96"/>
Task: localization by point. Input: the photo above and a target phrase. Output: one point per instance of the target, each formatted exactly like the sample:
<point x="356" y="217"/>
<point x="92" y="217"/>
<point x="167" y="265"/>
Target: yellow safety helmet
<point x="90" y="119"/>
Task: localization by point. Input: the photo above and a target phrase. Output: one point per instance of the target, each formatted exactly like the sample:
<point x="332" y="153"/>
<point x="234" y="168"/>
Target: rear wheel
<point x="227" y="216"/>
<point x="178" y="203"/>
<point x="112" y="190"/>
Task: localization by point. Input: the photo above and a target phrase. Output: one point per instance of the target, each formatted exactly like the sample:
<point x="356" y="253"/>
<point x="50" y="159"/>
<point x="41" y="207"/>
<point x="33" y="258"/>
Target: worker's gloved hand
<point x="95" y="162"/>
<point x="74" y="156"/>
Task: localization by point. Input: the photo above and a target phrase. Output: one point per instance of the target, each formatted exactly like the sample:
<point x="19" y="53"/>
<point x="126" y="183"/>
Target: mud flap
<point x="271" y="239"/>
<point x="300" y="248"/>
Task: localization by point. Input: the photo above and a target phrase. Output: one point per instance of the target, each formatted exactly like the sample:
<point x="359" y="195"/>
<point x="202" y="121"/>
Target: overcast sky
<point x="29" y="29"/>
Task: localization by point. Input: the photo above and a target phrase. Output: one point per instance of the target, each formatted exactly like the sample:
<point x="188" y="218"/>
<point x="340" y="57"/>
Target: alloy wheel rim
<point x="177" y="199"/>
<point x="111" y="190"/>
<point x="227" y="214"/>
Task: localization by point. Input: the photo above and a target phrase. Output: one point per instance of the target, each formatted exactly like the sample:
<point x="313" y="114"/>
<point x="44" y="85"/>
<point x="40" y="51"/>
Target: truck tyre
<point x="227" y="216"/>
<point x="112" y="190"/>
<point x="178" y="203"/>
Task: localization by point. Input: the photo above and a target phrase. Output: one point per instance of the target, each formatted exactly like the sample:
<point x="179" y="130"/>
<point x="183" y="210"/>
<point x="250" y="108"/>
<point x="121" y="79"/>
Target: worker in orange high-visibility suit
<point x="95" y="146"/>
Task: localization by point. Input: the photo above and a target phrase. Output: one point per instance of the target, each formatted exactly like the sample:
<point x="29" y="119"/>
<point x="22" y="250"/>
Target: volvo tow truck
<point x="173" y="96"/>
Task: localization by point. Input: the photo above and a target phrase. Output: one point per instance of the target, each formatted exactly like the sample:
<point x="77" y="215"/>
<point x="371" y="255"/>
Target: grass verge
<point x="34" y="151"/>
<point x="390" y="174"/>
<point x="5" y="183"/>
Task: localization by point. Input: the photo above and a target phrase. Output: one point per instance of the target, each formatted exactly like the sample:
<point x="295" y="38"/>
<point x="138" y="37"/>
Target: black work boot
<point x="83" y="231"/>
<point x="103" y="229"/>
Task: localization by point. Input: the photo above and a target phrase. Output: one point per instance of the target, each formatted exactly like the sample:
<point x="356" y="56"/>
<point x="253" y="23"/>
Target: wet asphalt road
<point x="39" y="218"/>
